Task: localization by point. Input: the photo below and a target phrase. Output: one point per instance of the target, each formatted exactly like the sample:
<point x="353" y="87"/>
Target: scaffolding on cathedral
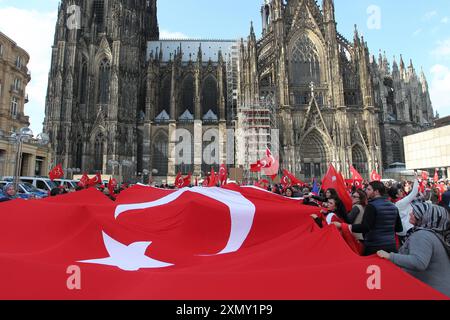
<point x="256" y="132"/>
<point x="231" y="78"/>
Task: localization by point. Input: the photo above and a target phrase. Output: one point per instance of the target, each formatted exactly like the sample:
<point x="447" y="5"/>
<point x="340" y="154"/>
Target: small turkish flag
<point x="333" y="180"/>
<point x="256" y="167"/>
<point x="179" y="181"/>
<point x="223" y="174"/>
<point x="56" y="173"/>
<point x="95" y="180"/>
<point x="84" y="181"/>
<point x="112" y="184"/>
<point x="375" y="176"/>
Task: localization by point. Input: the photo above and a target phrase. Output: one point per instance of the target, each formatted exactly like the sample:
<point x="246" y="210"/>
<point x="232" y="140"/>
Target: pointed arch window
<point x="305" y="62"/>
<point x="99" y="12"/>
<point x="359" y="160"/>
<point x="397" y="148"/>
<point x="103" y="81"/>
<point x="210" y="98"/>
<point x="98" y="152"/>
<point x="79" y="154"/>
<point x="187" y="98"/>
<point x="160" y="154"/>
<point x="83" y="82"/>
<point x="164" y="97"/>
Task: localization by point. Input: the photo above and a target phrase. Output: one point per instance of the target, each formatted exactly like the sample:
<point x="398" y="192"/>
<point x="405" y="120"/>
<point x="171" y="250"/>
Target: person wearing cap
<point x="426" y="252"/>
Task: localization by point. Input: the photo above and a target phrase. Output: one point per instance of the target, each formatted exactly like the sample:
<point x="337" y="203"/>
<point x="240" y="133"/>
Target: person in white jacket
<point x="405" y="208"/>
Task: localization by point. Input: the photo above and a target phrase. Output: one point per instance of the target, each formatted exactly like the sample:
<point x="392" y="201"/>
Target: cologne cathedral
<point x="118" y="92"/>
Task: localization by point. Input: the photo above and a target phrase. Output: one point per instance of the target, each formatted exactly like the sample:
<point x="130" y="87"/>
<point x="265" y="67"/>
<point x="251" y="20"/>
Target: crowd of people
<point x="401" y="222"/>
<point x="398" y="222"/>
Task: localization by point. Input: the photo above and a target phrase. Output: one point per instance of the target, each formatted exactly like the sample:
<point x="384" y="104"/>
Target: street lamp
<point x="72" y="171"/>
<point x="20" y="137"/>
<point x="120" y="164"/>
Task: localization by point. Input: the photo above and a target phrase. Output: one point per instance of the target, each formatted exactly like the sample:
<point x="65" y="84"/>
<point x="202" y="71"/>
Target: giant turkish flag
<point x="200" y="243"/>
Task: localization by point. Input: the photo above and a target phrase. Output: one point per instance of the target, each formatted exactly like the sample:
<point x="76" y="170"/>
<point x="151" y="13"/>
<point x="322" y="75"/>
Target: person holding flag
<point x="112" y="185"/>
<point x="223" y="175"/>
<point x="380" y="223"/>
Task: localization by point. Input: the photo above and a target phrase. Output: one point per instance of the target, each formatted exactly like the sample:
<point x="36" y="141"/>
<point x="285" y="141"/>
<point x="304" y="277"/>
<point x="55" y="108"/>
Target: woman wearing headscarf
<point x="9" y="193"/>
<point x="426" y="252"/>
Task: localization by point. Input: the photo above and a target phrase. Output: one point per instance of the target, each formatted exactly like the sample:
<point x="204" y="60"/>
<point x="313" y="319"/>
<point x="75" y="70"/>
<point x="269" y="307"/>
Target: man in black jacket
<point x="380" y="223"/>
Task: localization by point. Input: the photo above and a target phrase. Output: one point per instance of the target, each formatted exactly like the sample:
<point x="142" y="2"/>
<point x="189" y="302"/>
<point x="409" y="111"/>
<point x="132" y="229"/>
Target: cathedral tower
<point x="96" y="88"/>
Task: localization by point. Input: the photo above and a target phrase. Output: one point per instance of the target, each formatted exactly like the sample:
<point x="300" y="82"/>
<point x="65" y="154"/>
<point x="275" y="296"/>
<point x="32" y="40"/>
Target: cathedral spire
<point x="423" y="80"/>
<point x="394" y="65"/>
<point x="402" y="63"/>
<point x="252" y="32"/>
<point x="328" y="10"/>
<point x="356" y="36"/>
<point x="199" y="53"/>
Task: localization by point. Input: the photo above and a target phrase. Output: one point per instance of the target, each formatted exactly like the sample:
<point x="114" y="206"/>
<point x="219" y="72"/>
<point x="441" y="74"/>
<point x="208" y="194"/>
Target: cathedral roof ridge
<point x="197" y="40"/>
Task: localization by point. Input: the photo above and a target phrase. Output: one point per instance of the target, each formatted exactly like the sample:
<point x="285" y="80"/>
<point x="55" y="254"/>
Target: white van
<point x="41" y="183"/>
<point x="67" y="184"/>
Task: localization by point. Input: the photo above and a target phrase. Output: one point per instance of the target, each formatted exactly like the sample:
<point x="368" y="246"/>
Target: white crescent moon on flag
<point x="242" y="211"/>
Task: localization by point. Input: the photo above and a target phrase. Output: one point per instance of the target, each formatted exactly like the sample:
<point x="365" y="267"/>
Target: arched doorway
<point x="314" y="155"/>
<point x="161" y="154"/>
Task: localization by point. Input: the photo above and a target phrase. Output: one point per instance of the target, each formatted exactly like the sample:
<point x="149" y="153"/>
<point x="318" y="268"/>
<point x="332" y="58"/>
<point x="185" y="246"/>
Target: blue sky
<point x="417" y="29"/>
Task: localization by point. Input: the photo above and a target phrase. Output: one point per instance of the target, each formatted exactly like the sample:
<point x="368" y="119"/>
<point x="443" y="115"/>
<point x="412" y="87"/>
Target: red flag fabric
<point x="223" y="174"/>
<point x="205" y="182"/>
<point x="232" y="243"/>
<point x="263" y="183"/>
<point x="436" y="176"/>
<point x="425" y="175"/>
<point x="333" y="180"/>
<point x="256" y="167"/>
<point x="84" y="181"/>
<point x="179" y="181"/>
<point x="212" y="178"/>
<point x="56" y="173"/>
<point x="375" y="176"/>
<point x="95" y="180"/>
<point x="293" y="180"/>
<point x="355" y="174"/>
<point x="187" y="180"/>
<point x="271" y="165"/>
<point x="112" y="184"/>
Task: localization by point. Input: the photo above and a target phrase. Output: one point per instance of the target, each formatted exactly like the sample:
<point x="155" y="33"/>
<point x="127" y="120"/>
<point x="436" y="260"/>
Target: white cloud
<point x="417" y="32"/>
<point x="430" y="15"/>
<point x="440" y="89"/>
<point x="445" y="20"/>
<point x="166" y="34"/>
<point x="33" y="31"/>
<point x="442" y="51"/>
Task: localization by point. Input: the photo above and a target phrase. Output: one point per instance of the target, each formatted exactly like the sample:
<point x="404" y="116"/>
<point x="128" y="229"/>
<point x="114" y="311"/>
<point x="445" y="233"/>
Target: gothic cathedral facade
<point x="118" y="92"/>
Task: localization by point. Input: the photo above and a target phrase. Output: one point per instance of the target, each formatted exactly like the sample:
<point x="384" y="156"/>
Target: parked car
<point x="26" y="190"/>
<point x="66" y="183"/>
<point x="41" y="183"/>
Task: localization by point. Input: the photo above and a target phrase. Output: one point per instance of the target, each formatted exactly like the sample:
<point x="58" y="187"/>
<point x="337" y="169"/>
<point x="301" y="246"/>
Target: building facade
<point x="336" y="104"/>
<point x="14" y="77"/>
<point x="118" y="92"/>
